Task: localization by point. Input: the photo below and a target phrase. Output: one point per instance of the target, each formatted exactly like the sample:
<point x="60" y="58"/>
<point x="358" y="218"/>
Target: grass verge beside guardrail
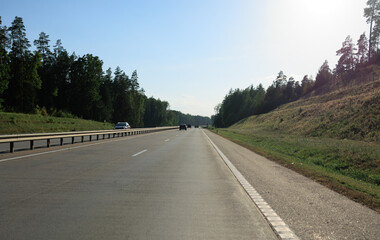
<point x="17" y="123"/>
<point x="351" y="168"/>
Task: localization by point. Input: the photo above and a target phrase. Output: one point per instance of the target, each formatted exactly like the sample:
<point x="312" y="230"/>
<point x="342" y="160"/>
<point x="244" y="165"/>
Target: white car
<point x="122" y="125"/>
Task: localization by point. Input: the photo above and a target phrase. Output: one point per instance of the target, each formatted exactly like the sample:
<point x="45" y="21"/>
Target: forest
<point x="241" y="103"/>
<point x="50" y="81"/>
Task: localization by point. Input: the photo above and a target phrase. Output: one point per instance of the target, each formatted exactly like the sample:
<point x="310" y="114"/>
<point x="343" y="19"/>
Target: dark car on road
<point x="182" y="127"/>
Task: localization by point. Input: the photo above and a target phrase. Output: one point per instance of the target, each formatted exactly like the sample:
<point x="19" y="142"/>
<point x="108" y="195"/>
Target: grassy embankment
<point x="333" y="138"/>
<point x="17" y="123"/>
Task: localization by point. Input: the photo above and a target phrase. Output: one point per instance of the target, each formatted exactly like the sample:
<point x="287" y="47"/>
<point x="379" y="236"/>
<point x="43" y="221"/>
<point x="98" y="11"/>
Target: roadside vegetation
<point x="347" y="166"/>
<point x="327" y="129"/>
<point x="17" y="123"/>
<point x="331" y="135"/>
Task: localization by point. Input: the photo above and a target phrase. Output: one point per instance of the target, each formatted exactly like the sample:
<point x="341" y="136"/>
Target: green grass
<point x="347" y="166"/>
<point x="17" y="123"/>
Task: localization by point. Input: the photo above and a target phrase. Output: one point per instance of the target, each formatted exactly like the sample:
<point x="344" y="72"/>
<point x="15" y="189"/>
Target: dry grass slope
<point x="345" y="112"/>
<point x="332" y="135"/>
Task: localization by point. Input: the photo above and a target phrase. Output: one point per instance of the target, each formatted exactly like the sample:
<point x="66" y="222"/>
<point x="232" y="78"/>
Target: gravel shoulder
<point x="311" y="210"/>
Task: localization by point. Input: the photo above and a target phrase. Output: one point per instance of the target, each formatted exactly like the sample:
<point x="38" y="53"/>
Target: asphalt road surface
<point x="166" y="185"/>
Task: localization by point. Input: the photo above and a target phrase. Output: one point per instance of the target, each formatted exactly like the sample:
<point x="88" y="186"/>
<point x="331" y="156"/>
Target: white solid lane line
<point x="277" y="224"/>
<point x="134" y="155"/>
<point x="167" y="140"/>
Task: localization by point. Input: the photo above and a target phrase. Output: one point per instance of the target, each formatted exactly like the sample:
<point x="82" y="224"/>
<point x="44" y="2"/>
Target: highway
<point x="167" y="185"/>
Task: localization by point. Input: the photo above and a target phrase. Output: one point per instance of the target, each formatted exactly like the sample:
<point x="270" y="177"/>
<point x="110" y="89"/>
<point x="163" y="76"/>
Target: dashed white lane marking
<point x="167" y="140"/>
<point x="134" y="155"/>
<point x="275" y="221"/>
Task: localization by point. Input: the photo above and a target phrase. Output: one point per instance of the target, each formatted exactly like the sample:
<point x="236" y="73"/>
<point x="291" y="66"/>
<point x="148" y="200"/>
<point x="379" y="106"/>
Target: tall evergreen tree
<point x="258" y="100"/>
<point x="362" y="53"/>
<point x="5" y="70"/>
<point x="324" y="75"/>
<point x="346" y="61"/>
<point x="42" y="45"/>
<point x="121" y="98"/>
<point x="372" y="15"/>
<point x="61" y="74"/>
<point x="106" y="97"/>
<point x="307" y="85"/>
<point x="134" y="81"/>
<point x="58" y="48"/>
<point x="86" y="77"/>
<point x="49" y="88"/>
<point x="25" y="81"/>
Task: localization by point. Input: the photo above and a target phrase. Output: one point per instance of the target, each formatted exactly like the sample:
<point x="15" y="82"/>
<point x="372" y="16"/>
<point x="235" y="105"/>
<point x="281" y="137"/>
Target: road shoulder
<point x="311" y="210"/>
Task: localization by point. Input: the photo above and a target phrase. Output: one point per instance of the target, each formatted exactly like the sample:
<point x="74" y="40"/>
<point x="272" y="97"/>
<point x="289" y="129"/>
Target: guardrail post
<point x="47" y="142"/>
<point x="82" y="138"/>
<point x="90" y="138"/>
<point x="12" y="147"/>
<point x="61" y="141"/>
<point x="72" y="140"/>
<point x="31" y="144"/>
<point x="109" y="135"/>
<point x="103" y="136"/>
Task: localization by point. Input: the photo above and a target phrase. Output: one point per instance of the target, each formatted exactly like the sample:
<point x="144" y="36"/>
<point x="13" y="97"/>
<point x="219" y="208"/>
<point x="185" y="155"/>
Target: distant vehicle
<point x="196" y="126"/>
<point x="122" y="125"/>
<point x="182" y="126"/>
<point x="189" y="125"/>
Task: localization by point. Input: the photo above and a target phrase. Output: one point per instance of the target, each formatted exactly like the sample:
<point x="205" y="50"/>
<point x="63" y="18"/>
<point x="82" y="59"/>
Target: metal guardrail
<point x="104" y="134"/>
<point x="49" y="134"/>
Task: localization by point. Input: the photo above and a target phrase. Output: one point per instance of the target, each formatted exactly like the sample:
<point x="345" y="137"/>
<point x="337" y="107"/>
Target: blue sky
<point x="192" y="52"/>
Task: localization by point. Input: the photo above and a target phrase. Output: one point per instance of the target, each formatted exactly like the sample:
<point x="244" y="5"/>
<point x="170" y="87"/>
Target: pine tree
<point x="346" y="61"/>
<point x="86" y="77"/>
<point x="362" y="53"/>
<point x="4" y="60"/>
<point x="21" y="95"/>
<point x="42" y="45"/>
<point x="324" y="75"/>
<point x="372" y="14"/>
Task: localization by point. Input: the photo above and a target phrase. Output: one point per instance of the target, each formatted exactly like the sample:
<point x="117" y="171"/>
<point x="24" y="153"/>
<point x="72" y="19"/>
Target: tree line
<point x="50" y="81"/>
<point x="239" y="104"/>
